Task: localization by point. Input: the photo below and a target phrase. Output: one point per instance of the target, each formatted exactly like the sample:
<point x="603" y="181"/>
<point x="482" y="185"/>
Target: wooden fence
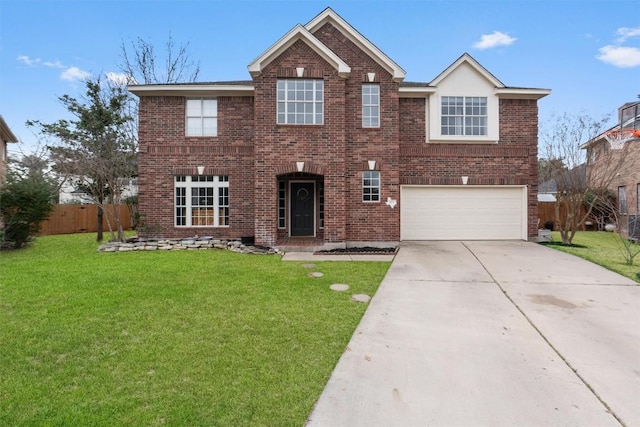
<point x="547" y="212"/>
<point x="68" y="219"/>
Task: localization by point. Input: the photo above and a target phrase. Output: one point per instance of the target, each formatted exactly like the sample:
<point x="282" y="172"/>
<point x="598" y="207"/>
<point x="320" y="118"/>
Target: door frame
<point x="315" y="205"/>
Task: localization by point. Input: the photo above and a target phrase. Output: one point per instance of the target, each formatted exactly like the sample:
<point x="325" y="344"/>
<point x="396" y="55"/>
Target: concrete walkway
<point x="490" y="334"/>
<point x="310" y="256"/>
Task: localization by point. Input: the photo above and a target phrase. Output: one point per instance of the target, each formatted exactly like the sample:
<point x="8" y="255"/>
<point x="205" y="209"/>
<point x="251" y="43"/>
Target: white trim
<point x="521" y="93"/>
<point x="192" y="90"/>
<point x="315" y="207"/>
<point x="298" y="33"/>
<point x="466" y="58"/>
<point x="435" y="122"/>
<point x="188" y="185"/>
<point x="379" y="186"/>
<point x="328" y="15"/>
<point x="416" y="92"/>
<point x="5" y="132"/>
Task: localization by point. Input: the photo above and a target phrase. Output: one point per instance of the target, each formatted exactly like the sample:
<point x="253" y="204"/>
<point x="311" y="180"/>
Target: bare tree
<point x="577" y="172"/>
<point x="142" y="65"/>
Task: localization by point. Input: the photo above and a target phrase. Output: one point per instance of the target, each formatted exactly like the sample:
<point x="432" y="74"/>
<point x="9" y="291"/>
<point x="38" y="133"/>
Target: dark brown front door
<point x="302" y="212"/>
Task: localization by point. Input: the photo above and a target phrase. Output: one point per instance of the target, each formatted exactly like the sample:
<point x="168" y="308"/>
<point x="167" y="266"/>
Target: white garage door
<point x="463" y="213"/>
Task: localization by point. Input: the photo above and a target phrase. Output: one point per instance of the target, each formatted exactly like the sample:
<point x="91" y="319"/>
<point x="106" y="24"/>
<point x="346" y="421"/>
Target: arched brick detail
<point x="292" y="167"/>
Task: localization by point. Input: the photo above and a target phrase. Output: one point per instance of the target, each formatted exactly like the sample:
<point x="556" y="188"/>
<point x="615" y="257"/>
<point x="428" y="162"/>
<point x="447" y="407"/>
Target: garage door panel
<point x="463" y="213"/>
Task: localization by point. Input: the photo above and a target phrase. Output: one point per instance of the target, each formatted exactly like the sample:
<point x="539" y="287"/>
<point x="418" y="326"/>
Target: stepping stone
<point x="316" y="274"/>
<point x="339" y="287"/>
<point x="308" y="265"/>
<point x="360" y="298"/>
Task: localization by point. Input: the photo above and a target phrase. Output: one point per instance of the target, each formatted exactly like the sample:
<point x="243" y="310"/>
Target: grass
<point x="179" y="338"/>
<point x="601" y="248"/>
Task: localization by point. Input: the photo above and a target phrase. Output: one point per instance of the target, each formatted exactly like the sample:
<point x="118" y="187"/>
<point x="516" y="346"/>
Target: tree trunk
<point x="99" y="236"/>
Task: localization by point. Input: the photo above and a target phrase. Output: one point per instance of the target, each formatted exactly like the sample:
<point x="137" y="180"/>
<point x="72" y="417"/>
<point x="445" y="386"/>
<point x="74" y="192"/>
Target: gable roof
<point x="5" y="132"/>
<point x="306" y="35"/>
<point x="298" y="33"/>
<point x="501" y="90"/>
<point x="468" y="59"/>
<point x="330" y="16"/>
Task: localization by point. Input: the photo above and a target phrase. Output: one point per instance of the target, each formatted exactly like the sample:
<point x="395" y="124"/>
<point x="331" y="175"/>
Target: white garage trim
<point x="465" y="212"/>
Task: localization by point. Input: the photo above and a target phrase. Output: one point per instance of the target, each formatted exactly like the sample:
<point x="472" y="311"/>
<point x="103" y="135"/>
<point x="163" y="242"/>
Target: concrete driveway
<point x="494" y="334"/>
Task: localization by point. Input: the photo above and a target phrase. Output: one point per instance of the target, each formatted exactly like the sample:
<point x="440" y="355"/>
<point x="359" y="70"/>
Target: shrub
<point x="24" y="204"/>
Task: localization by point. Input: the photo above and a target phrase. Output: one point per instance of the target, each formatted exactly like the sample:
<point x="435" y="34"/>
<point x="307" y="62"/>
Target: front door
<point x="302" y="213"/>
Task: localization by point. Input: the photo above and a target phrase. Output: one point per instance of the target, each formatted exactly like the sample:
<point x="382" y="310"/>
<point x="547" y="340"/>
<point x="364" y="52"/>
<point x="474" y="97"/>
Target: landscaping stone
<point x="316" y="274"/>
<point x="339" y="287"/>
<point x="308" y="265"/>
<point x="360" y="298"/>
<point x="201" y="243"/>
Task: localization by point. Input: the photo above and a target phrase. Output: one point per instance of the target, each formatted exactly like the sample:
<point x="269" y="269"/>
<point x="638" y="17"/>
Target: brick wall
<point x="254" y="151"/>
<point x="165" y="152"/>
<point x="279" y="147"/>
<point x="513" y="161"/>
<point x="368" y="221"/>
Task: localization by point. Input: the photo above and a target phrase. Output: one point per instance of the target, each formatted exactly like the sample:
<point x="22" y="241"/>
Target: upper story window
<point x="202" y="117"/>
<point x="464" y="115"/>
<point x="300" y="102"/>
<point x="370" y="106"/>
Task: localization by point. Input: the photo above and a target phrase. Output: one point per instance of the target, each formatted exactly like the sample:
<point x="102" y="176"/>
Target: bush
<point x="24" y="204"/>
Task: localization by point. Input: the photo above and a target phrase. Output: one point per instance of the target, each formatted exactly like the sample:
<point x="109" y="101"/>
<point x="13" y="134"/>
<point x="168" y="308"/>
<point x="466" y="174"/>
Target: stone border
<point x="200" y="243"/>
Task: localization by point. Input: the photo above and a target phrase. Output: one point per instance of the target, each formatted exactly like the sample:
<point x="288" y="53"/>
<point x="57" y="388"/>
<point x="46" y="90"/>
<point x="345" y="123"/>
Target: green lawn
<point x="602" y="248"/>
<point x="178" y="338"/>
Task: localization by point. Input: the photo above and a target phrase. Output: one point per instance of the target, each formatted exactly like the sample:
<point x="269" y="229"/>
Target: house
<point x="69" y="192"/>
<point x="603" y="156"/>
<point x="6" y="136"/>
<point x="327" y="145"/>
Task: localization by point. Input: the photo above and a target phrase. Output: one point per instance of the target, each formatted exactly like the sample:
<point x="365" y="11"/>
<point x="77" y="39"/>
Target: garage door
<point x="463" y="213"/>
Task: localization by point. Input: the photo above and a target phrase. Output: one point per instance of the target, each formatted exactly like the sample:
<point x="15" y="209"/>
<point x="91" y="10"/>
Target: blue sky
<point x="587" y="52"/>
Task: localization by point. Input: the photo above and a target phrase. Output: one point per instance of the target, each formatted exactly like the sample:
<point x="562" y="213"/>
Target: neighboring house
<point x="70" y="194"/>
<point x="327" y="145"/>
<point x="626" y="183"/>
<point x="6" y="136"/>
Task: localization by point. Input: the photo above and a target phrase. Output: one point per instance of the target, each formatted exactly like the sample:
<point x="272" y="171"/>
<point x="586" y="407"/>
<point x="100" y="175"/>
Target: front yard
<point x="601" y="248"/>
<point x="177" y="338"/>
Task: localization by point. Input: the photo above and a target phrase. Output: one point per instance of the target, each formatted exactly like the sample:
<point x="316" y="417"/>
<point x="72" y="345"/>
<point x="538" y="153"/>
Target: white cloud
<point x="120" y="78"/>
<point x="497" y="38"/>
<point x="56" y="64"/>
<point x="625" y="33"/>
<point x="74" y="73"/>
<point x="620" y="56"/>
<point x="28" y="61"/>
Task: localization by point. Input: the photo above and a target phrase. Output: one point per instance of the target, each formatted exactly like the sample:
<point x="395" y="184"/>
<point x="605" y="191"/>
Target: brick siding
<point x="255" y="152"/>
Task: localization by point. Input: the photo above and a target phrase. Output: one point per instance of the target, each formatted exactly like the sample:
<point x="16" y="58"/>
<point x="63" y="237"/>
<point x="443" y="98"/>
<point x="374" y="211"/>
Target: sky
<point x="586" y="51"/>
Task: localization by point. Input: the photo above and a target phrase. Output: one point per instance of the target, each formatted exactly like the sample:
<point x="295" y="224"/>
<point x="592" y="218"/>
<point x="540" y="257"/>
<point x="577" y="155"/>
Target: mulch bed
<point x="359" y="251"/>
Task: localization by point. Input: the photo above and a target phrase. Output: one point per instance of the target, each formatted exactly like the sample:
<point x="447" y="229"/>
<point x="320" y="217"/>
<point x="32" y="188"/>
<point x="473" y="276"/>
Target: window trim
<point x="433" y="117"/>
<point x="370" y="106"/>
<point x="465" y="117"/>
<point x="370" y="187"/>
<point x="282" y="204"/>
<point x="202" y="117"/>
<point x="287" y="103"/>
<point x="186" y="183"/>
